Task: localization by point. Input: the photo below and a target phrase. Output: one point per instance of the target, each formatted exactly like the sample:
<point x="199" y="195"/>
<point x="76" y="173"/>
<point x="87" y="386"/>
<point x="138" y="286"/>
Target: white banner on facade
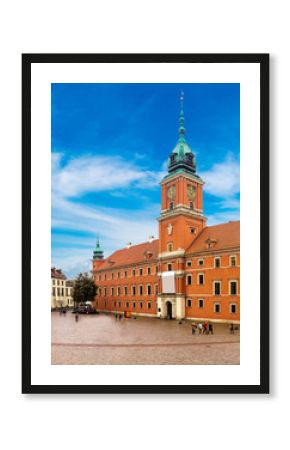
<point x="168" y="282"/>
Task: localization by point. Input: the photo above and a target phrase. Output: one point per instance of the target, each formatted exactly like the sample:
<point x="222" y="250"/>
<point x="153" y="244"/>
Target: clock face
<point x="191" y="192"/>
<point x="171" y="192"/>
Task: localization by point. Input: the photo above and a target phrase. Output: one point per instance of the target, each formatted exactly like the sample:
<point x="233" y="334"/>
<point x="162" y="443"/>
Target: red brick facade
<point x="205" y="260"/>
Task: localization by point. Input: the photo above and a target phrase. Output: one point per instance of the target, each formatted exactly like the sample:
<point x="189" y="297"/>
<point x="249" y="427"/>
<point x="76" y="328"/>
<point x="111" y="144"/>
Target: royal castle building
<point x="191" y="271"/>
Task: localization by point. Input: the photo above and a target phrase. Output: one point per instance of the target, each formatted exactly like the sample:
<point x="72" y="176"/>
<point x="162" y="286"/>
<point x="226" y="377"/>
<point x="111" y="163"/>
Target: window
<point x="118" y="274"/>
<point x="200" y="262"/>
<point x="169" y="247"/>
<point x="156" y="270"/>
<point x="53" y="281"/>
<point x="233" y="288"/>
<point x="141" y="305"/>
<point x="133" y="272"/>
<point x="190" y="205"/>
<point x="125" y="274"/>
<point x="105" y="276"/>
<point x="217" y="288"/>
<point x="119" y="304"/>
<point x="53" y="291"/>
<point x="112" y="291"/>
<point x="169" y="267"/>
<point x="133" y="290"/>
<point x="127" y="304"/>
<point x="100" y="277"/>
<point x="188" y="263"/>
<point x="105" y="292"/>
<point x="148" y="270"/>
<point x="105" y="304"/>
<point x="140" y="272"/>
<point x="217" y="308"/>
<point x="217" y="262"/>
<point x="125" y="290"/>
<point x="189" y="303"/>
<point x="200" y="278"/>
<point x="188" y="280"/>
<point x="200" y="303"/>
<point x="233" y="261"/>
<point x="140" y="289"/>
<point x="192" y="230"/>
<point x="233" y="308"/>
<point x="112" y="276"/>
<point x="149" y="305"/>
<point x="148" y="289"/>
<point x="156" y="289"/>
<point x="118" y="290"/>
<point x="171" y="205"/>
<point x="134" y="304"/>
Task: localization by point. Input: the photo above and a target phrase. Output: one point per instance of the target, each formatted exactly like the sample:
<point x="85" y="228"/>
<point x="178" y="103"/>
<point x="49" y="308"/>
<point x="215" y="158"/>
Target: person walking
<point x="200" y="328"/>
<point x="76" y="317"/>
<point x="232" y="331"/>
<point x="193" y="328"/>
<point x="210" y="328"/>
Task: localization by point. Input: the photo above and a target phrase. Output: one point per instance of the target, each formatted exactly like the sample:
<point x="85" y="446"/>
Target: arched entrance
<point x="168" y="310"/>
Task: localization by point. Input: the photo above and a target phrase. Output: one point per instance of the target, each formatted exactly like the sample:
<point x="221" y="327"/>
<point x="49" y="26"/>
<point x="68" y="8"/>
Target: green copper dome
<point x="181" y="156"/>
<point x="98" y="252"/>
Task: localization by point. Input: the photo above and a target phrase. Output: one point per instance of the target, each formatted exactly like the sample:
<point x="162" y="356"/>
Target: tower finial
<point x="181" y="130"/>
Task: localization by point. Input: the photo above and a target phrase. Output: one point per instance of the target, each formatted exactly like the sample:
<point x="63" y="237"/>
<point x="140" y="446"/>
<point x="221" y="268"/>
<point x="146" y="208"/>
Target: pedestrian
<point x="204" y="328"/>
<point x="232" y="331"/>
<point x="193" y="328"/>
<point x="116" y="317"/>
<point x="200" y="328"/>
<point x="76" y="317"/>
<point x="210" y="328"/>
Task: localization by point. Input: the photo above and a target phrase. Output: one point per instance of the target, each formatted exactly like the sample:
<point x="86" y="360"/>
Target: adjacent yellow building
<point x="61" y="290"/>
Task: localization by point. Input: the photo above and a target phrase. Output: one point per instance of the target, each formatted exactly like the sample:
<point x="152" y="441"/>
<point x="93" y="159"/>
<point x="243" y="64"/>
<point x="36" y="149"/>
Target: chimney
<point x="129" y="244"/>
<point x="151" y="238"/>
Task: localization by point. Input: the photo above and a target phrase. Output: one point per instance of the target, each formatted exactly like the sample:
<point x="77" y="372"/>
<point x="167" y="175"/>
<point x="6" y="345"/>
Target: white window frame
<point x="187" y="301"/>
<point x="237" y="286"/>
<point x="213" y="285"/>
<point x="230" y="260"/>
<point x="219" y="259"/>
<point x="198" y="300"/>
<point x="230" y="308"/>
<point x="198" y="275"/>
<point x="199" y="260"/>
<point x="187" y="276"/>
<point x="214" y="307"/>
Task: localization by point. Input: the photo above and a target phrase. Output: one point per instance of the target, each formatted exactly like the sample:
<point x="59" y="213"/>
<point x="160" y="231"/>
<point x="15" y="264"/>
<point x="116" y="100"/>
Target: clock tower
<point x="181" y="218"/>
<point x="180" y="222"/>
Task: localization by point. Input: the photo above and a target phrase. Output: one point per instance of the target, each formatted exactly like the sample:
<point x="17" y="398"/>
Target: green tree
<point x="84" y="289"/>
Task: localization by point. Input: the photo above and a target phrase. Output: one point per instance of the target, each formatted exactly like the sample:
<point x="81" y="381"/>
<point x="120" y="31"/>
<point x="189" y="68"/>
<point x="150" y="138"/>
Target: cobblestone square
<point x="101" y="339"/>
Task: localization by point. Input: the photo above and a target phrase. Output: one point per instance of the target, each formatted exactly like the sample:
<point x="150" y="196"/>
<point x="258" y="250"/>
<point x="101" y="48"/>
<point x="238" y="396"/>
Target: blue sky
<point x="110" y="144"/>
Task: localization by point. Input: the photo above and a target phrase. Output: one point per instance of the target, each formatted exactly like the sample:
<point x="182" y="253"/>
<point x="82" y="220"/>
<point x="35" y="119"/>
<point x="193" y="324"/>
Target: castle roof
<point x="57" y="273"/>
<point x="145" y="252"/>
<point x="217" y="237"/>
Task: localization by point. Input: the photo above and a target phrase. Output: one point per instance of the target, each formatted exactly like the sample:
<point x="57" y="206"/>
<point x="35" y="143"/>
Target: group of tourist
<point x="201" y="328"/>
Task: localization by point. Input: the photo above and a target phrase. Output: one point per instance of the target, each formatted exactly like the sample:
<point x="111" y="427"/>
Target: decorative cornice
<point x="175" y="254"/>
<point x="180" y="209"/>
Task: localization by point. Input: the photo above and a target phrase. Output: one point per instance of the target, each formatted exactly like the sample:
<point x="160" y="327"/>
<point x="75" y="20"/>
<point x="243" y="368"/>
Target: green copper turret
<point x="181" y="157"/>
<point x="98" y="252"/>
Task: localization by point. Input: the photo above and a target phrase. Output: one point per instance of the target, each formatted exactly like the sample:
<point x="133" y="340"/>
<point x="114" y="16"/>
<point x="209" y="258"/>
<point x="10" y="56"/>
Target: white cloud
<point x="98" y="173"/>
<point x="223" y="179"/>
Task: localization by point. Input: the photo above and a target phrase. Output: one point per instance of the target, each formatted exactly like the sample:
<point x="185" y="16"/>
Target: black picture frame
<point x="27" y="61"/>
